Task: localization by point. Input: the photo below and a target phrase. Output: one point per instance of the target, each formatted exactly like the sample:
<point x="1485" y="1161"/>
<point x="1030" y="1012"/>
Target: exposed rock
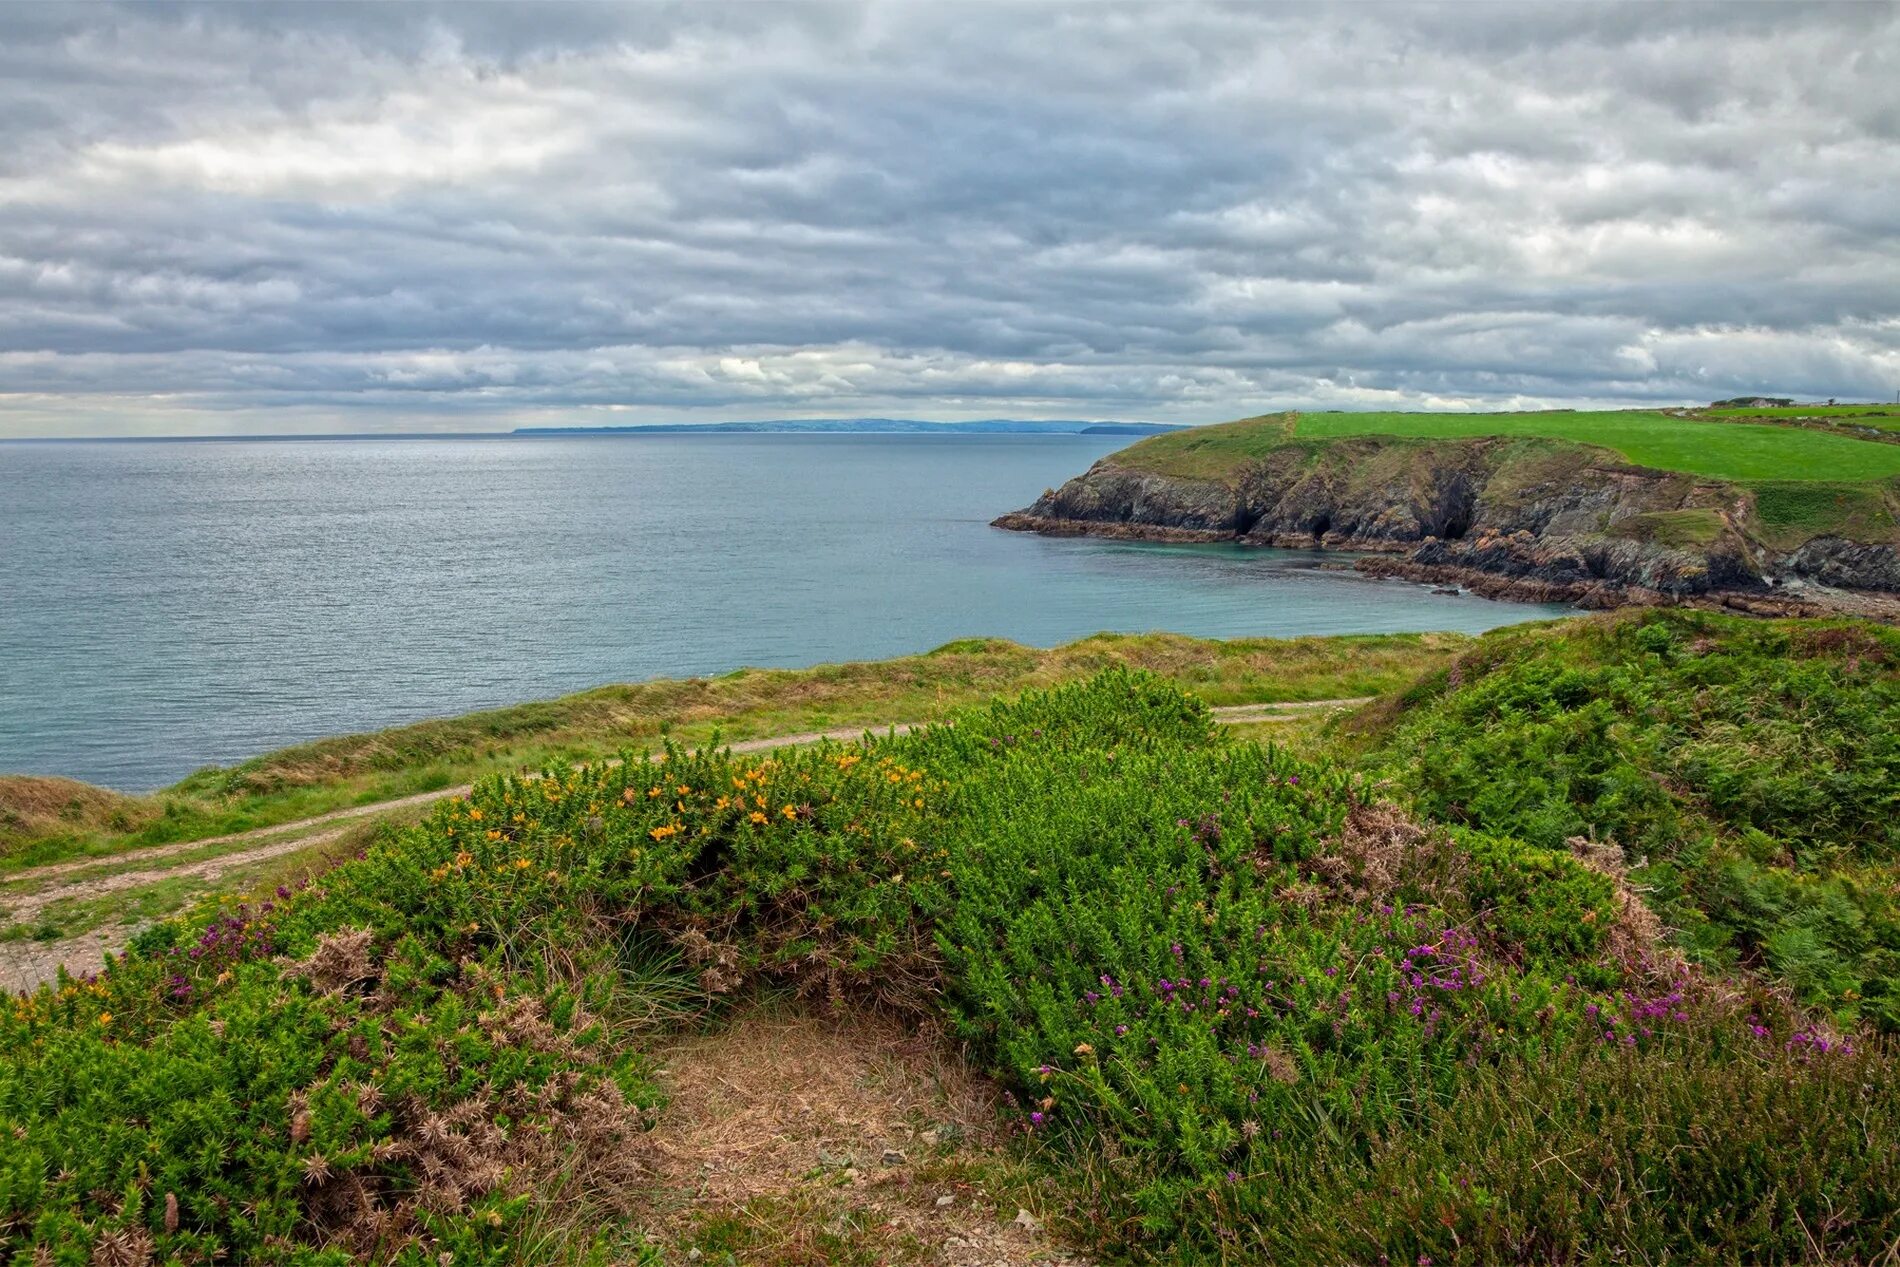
<point x="1527" y="520"/>
<point x="1111" y="494"/>
<point x="1850" y="564"/>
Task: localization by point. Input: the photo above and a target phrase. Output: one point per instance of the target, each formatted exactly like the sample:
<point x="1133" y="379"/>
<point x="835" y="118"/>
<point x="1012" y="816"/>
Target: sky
<point x="263" y="219"/>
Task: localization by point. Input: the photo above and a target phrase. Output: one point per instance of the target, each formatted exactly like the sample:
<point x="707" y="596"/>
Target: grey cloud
<point x="305" y="217"/>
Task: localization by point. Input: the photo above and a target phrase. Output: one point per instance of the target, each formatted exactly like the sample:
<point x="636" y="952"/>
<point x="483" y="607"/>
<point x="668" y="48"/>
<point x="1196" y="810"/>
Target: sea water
<point x="170" y="605"/>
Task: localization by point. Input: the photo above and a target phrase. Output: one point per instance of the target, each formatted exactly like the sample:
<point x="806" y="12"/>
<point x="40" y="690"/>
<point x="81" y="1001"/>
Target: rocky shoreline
<point x="1500" y="518"/>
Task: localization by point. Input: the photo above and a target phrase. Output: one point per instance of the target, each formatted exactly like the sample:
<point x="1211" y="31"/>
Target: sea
<point x="170" y="605"/>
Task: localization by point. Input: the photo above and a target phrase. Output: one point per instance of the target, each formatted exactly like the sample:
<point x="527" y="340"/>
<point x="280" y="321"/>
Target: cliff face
<point x="1515" y="518"/>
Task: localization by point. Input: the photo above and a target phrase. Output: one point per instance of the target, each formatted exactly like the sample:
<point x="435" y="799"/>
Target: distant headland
<point x="869" y="426"/>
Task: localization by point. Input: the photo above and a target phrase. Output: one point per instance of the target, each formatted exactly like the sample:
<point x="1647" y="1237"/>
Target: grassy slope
<point x="1742" y="454"/>
<point x="1712" y="449"/>
<point x="48" y="820"/>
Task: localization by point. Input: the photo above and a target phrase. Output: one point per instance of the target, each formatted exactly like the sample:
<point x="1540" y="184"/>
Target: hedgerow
<point x="1246" y="1008"/>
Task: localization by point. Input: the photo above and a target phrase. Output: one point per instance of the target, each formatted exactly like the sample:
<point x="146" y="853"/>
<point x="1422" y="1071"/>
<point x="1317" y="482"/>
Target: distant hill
<point x="871" y="426"/>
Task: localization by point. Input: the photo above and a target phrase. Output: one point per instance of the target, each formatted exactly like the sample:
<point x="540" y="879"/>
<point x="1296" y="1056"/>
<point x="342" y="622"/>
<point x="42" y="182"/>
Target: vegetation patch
<point x="1235" y="1006"/>
<point x="1683" y="529"/>
<point x="46" y="820"/>
<point x="1792" y="513"/>
<point x="1661" y="441"/>
<point x="1665" y="442"/>
<point x="1807" y="411"/>
<point x="1748" y="771"/>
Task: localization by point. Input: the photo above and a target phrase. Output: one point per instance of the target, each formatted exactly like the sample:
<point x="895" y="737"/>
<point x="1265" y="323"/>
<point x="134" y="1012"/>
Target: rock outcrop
<point x="1525" y="519"/>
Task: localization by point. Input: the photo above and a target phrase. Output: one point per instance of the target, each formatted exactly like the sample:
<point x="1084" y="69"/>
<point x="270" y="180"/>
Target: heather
<point x="1747" y="772"/>
<point x="1243" y="1005"/>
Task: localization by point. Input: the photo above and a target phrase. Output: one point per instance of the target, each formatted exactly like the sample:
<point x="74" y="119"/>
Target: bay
<point x="170" y="605"/>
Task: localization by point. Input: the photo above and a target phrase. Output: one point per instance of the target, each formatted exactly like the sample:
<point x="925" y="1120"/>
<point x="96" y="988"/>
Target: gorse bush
<point x="1750" y="770"/>
<point x="1246" y="1009"/>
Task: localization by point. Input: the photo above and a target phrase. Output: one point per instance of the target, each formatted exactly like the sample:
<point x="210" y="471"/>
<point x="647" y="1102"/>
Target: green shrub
<point x="1750" y="770"/>
<point x="1244" y="1009"/>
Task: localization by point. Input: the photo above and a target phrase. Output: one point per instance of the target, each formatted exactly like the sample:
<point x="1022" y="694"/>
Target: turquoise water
<point x="166" y="606"/>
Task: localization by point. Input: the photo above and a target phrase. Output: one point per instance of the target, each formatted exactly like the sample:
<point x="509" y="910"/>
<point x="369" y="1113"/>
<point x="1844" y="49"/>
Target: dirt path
<point x="1236" y="714"/>
<point x="296" y="827"/>
<point x="26" y="895"/>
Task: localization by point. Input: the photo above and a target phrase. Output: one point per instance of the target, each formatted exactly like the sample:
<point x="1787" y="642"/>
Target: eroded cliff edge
<point x="1528" y="519"/>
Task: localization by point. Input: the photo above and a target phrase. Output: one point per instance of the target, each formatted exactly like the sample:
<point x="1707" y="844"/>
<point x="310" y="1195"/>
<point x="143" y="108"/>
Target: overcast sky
<point x="262" y="219"/>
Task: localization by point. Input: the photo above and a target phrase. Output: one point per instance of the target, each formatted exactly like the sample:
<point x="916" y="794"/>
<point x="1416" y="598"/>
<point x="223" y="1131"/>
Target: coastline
<point x="1424" y="563"/>
<point x="1508" y="517"/>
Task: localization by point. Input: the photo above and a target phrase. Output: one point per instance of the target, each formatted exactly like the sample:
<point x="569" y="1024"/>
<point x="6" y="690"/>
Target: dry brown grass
<point x="1638" y="939"/>
<point x="771" y="1097"/>
<point x="33" y="805"/>
<point x="827" y="1137"/>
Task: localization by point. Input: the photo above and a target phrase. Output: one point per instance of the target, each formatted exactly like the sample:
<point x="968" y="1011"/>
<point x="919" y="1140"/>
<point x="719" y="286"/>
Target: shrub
<point x="1244" y="1008"/>
<point x="1750" y="771"/>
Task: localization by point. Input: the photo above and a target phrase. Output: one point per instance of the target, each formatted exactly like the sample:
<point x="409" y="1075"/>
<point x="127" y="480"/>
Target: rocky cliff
<point x="1529" y="519"/>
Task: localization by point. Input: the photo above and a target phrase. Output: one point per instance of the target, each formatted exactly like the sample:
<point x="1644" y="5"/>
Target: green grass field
<point x="1718" y="450"/>
<point x="1726" y="451"/>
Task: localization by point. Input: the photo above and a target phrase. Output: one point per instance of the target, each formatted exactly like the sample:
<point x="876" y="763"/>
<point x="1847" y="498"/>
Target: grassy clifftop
<point x="1728" y="451"/>
<point x="1636" y="500"/>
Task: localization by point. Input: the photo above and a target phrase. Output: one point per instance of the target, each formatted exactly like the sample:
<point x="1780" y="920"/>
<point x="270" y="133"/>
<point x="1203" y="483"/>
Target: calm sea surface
<point x="165" y="606"/>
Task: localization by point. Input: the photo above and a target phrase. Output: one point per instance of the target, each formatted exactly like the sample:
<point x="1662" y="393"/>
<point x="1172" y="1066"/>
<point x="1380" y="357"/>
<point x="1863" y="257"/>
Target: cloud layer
<point x="309" y="218"/>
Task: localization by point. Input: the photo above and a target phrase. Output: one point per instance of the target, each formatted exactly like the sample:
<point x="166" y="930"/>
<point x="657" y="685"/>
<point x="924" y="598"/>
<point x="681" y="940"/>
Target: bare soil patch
<point x="848" y="1138"/>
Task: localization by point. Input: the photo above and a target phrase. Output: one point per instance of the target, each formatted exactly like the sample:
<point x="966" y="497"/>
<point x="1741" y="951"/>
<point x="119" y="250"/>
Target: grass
<point x="1792" y="513"/>
<point x="1685" y="529"/>
<point x="46" y="820"/>
<point x="1715" y="450"/>
<point x="173" y="887"/>
<point x="1647" y="439"/>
